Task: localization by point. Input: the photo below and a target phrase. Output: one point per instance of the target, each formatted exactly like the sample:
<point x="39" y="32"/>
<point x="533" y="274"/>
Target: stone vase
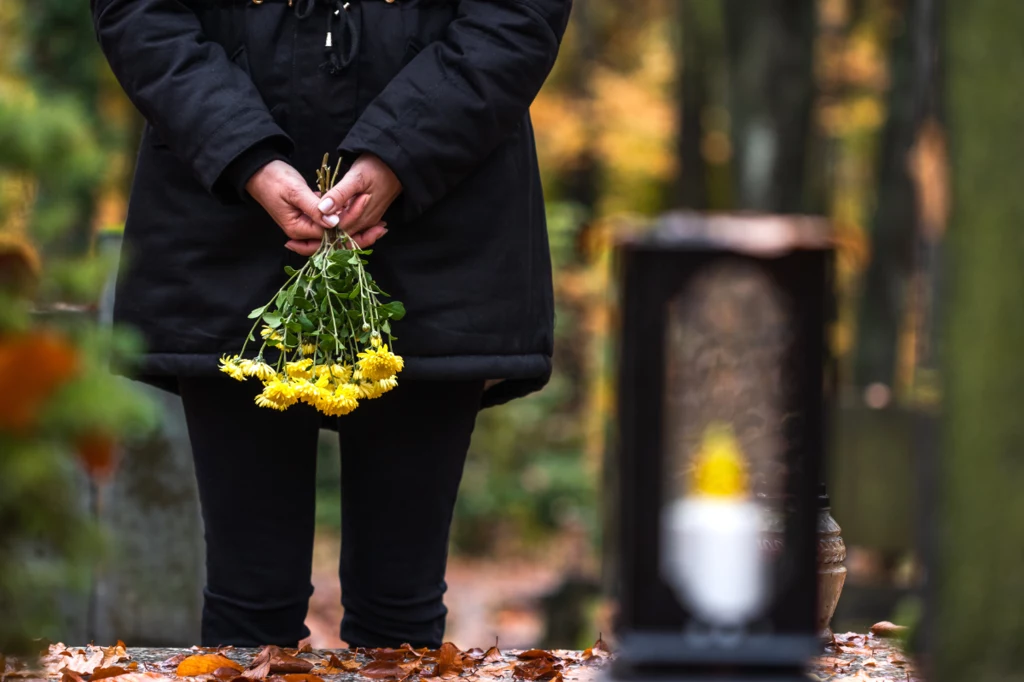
<point x="831" y="555"/>
<point x="831" y="571"/>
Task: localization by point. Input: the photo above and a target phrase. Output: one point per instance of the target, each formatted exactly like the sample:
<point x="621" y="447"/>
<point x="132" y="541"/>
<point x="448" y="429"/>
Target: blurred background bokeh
<point x="777" y="105"/>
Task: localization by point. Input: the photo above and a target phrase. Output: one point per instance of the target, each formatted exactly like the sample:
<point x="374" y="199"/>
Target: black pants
<point x="402" y="458"/>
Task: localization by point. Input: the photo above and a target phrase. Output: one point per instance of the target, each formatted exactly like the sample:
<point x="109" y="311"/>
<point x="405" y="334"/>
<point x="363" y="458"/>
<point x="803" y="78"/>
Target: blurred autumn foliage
<point x="60" y="408"/>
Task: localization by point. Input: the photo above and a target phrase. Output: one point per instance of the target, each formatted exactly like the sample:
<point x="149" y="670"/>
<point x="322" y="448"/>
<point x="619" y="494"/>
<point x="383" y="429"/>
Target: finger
<point x="303" y="247"/>
<point x="305" y="199"/>
<point x="302" y="228"/>
<point x="354" y="182"/>
<point x="369" y="236"/>
<point x="352" y="219"/>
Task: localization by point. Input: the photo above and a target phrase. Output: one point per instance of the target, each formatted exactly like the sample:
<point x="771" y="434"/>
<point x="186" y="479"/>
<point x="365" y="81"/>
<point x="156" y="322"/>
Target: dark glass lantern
<point x="722" y="433"/>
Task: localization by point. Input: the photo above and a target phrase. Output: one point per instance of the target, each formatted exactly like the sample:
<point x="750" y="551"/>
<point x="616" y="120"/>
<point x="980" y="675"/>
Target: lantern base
<point x="663" y="656"/>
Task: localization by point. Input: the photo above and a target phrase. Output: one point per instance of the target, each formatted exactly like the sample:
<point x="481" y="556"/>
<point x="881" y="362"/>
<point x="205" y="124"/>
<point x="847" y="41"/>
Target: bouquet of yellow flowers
<point x="326" y="325"/>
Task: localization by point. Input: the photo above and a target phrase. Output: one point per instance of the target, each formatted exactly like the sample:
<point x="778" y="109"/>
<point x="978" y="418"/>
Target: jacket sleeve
<point x="452" y="105"/>
<point x="200" y="103"/>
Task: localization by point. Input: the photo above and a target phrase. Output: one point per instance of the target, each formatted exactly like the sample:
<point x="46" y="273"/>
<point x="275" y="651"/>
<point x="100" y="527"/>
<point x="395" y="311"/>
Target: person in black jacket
<point x="427" y="102"/>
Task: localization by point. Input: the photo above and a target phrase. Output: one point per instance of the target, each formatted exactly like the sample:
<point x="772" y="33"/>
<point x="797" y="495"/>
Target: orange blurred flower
<point x="96" y="450"/>
<point x="32" y="367"/>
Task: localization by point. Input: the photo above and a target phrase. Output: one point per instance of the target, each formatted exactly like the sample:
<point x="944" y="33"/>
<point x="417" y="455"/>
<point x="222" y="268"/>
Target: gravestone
<point x="148" y="591"/>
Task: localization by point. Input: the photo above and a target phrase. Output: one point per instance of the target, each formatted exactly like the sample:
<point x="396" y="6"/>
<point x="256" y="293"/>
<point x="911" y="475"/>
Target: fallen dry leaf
<point x="536" y="653"/>
<point x="383" y="670"/>
<point x="140" y="677"/>
<point x="887" y="629"/>
<point x="449" y="662"/>
<point x="204" y="664"/>
<point x="103" y="673"/>
<point x="301" y="677"/>
<point x="84" y="661"/>
<point x="493" y="654"/>
<point x="335" y="666"/>
<point x="415" y="653"/>
<point x="285" y="664"/>
<point x="870" y="662"/>
<point x="271" y="659"/>
<point x="537" y="669"/>
<point x="225" y="673"/>
<point x="596" y="653"/>
<point x="172" y="662"/>
<point x="70" y="676"/>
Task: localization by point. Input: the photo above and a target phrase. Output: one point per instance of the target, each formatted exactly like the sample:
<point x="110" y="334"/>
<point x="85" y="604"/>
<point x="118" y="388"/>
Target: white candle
<point x="710" y="547"/>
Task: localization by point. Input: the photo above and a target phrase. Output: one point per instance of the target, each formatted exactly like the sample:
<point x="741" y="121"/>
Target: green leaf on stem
<point x="393" y="309"/>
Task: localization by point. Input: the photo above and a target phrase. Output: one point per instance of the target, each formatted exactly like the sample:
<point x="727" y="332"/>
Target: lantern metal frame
<point x="795" y="252"/>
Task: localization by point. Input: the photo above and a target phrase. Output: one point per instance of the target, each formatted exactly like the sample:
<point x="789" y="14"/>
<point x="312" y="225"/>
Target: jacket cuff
<point x="237" y="173"/>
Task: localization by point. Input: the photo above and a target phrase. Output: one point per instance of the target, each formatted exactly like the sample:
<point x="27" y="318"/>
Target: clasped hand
<point x="356" y="204"/>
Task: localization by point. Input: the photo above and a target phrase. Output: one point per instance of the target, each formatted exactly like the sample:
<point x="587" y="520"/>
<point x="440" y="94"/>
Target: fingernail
<point x="326" y="205"/>
<point x="386" y="230"/>
<point x="383" y="224"/>
<point x="332" y="220"/>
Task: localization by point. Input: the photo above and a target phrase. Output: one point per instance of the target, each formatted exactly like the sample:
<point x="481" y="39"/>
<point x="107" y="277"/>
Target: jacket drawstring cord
<point x="341" y="50"/>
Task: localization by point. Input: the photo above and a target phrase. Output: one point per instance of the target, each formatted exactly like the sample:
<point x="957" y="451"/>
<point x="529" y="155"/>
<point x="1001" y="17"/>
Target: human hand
<point x="283" y="193"/>
<point x="361" y="197"/>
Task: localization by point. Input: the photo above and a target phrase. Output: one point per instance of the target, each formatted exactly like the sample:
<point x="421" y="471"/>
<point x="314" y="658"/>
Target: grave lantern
<point x="722" y="387"/>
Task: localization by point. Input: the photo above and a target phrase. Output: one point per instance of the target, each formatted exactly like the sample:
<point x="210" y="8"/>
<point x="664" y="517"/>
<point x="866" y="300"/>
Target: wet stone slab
<point x="851" y="657"/>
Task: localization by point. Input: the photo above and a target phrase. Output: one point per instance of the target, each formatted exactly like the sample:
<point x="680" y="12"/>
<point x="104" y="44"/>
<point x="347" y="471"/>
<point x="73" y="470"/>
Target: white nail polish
<point x="332" y="220"/>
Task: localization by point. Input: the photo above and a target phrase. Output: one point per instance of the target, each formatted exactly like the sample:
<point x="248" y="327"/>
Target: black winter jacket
<point x="438" y="89"/>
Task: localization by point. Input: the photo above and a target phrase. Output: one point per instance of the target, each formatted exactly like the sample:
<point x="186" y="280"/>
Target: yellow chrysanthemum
<point x="308" y="349"/>
<point x="258" y="369"/>
<point x="299" y="369"/>
<point x="272" y="334"/>
<point x="280" y="391"/>
<point x="336" y="372"/>
<point x="379" y="363"/>
<point x="375" y="389"/>
<point x="264" y="401"/>
<point x="341" y="402"/>
<point x="306" y="392"/>
<point x="345" y="399"/>
<point x="341" y="373"/>
<point x="230" y="366"/>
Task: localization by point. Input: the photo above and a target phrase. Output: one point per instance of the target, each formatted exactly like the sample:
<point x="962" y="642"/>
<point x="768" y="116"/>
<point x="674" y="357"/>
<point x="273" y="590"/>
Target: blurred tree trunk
<point x="692" y="65"/>
<point x="770" y="53"/>
<point x="884" y="292"/>
<point x="979" y="628"/>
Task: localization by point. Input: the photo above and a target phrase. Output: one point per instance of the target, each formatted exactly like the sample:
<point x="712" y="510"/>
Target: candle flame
<point x="720" y="468"/>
